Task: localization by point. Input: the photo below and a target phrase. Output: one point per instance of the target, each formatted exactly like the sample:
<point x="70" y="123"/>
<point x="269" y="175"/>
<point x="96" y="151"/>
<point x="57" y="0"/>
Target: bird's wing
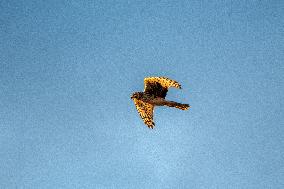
<point x="158" y="86"/>
<point x="146" y="112"/>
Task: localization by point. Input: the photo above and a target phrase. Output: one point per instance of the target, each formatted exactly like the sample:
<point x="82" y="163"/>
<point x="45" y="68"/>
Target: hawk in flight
<point x="155" y="91"/>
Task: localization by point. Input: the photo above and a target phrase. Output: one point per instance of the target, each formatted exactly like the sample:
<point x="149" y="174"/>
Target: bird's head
<point x="137" y="95"/>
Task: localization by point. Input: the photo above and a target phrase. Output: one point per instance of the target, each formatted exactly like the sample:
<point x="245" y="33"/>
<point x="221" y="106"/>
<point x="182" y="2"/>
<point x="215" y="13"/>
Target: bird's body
<point x="155" y="91"/>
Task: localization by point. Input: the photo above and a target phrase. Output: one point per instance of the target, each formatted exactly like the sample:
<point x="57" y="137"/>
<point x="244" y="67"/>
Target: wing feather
<point x="145" y="111"/>
<point x="158" y="86"/>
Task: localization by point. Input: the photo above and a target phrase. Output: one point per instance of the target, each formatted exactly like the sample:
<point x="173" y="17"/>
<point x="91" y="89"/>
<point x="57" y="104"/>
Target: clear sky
<point x="68" y="68"/>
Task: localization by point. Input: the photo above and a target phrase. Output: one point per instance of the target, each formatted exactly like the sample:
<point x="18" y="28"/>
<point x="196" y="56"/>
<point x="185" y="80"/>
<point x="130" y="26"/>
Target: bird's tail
<point x="177" y="105"/>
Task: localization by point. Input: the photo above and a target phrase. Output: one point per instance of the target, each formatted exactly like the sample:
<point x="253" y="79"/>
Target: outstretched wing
<point x="145" y="111"/>
<point x="158" y="86"/>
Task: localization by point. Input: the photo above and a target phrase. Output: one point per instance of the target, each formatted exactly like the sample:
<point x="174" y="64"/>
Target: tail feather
<point x="178" y="105"/>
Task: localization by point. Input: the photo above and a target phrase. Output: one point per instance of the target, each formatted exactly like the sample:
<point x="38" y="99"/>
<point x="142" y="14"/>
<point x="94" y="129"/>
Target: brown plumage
<point x="155" y="91"/>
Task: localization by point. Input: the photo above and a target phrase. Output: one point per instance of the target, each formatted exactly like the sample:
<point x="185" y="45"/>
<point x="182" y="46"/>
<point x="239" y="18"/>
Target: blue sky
<point x="68" y="69"/>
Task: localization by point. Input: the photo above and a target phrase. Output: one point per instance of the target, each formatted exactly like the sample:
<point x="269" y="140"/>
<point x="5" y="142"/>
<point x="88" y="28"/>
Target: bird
<point x="155" y="91"/>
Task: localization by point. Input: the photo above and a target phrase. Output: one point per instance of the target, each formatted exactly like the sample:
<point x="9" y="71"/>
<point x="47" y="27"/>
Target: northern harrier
<point x="155" y="91"/>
